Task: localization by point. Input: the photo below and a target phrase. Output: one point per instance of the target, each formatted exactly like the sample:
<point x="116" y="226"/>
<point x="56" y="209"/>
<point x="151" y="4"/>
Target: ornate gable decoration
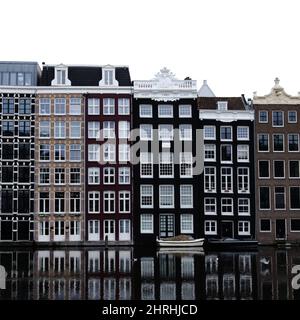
<point x="276" y="96"/>
<point x="165" y="87"/>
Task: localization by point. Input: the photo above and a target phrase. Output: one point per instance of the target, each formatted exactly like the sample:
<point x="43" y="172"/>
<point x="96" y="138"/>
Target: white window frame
<point x="258" y="174"/>
<point x="109" y="198"/>
<point x="146" y="132"/>
<point x="62" y="207"/>
<point x="77" y="172"/>
<point x="45" y="124"/>
<point x="290" y="169"/>
<point x="243" y="149"/>
<point x="244" y="187"/>
<point x="278" y="126"/>
<point x="123" y="106"/>
<point x="268" y="136"/>
<point x="75" y="125"/>
<point x="75" y="106"/>
<point x="94" y="175"/>
<point x="184" y="196"/>
<point x="228" y="180"/>
<point x="165" y="132"/>
<point x="165" y="195"/>
<point x="228" y="203"/>
<point x="59" y="130"/>
<point x="60" y="173"/>
<point x="93" y="129"/>
<point x="124" y="175"/>
<point x="93" y="106"/>
<point x="76" y="149"/>
<point x="242" y="205"/>
<point x="109" y="175"/>
<point x="211" y="224"/>
<point x="243" y="225"/>
<point x="148" y="195"/>
<point x="166" y="165"/>
<point x="123" y="129"/>
<point x="212" y="137"/>
<point x="94" y="198"/>
<point x="293" y="151"/>
<point x="109" y="106"/>
<point x="93" y="152"/>
<point x="222" y="105"/>
<point x="283" y="142"/>
<point x="186" y="164"/>
<point x="46" y="104"/>
<point x="211" y="180"/>
<point x="274" y="176"/>
<point x="185" y="132"/>
<point x="109" y="152"/>
<point x="210" y="148"/>
<point x="289" y="116"/>
<point x="109" y="129"/>
<point x="226" y="139"/>
<point x="226" y="145"/>
<point x="44" y="172"/>
<point x="75" y="201"/>
<point x="210" y="202"/>
<point x="60" y="102"/>
<point x="284" y="195"/>
<point x="124" y="152"/>
<point x="242" y="137"/>
<point x="162" y="108"/>
<point x="144" y="107"/>
<point x="125" y="198"/>
<point x="184" y="114"/>
<point x="259" y="116"/>
<point x="149" y="221"/>
<point x="146" y="164"/>
<point x="184" y="220"/>
<point x="61" y="148"/>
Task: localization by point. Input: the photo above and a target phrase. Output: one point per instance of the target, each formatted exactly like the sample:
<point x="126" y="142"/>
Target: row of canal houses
<point x="89" y="156"/>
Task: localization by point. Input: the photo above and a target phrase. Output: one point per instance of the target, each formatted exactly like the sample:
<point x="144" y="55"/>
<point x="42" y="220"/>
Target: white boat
<point x="180" y="243"/>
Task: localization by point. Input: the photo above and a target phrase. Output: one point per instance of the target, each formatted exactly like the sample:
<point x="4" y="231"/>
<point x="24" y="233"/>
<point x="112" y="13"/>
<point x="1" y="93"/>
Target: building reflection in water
<point x="128" y="273"/>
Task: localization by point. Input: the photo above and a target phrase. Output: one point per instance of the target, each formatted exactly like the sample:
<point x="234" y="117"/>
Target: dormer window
<point x="222" y="105"/>
<point x="61" y="76"/>
<point x="108" y="76"/>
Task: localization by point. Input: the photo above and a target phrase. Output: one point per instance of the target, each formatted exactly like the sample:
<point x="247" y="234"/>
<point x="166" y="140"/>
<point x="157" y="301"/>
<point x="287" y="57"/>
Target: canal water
<point x="131" y="273"/>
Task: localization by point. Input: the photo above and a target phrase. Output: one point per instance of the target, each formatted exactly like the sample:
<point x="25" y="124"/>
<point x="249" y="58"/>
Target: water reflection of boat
<point x="181" y="250"/>
<point x="232" y="243"/>
<point x="180" y="241"/>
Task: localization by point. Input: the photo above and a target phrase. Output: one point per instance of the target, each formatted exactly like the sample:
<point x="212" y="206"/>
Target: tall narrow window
<point x="243" y="180"/>
<point x="226" y="179"/>
<point x="146" y="164"/>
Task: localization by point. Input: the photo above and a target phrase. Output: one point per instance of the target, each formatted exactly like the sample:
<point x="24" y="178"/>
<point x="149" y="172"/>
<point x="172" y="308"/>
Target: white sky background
<point x="239" y="46"/>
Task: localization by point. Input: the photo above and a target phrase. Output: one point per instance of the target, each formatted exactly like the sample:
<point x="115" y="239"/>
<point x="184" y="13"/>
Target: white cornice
<point x="165" y="87"/>
<point x="276" y="96"/>
<point x="226" y="116"/>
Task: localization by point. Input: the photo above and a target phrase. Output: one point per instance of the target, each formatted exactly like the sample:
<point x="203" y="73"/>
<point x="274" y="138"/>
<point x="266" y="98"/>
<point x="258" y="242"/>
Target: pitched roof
<point x="233" y="103"/>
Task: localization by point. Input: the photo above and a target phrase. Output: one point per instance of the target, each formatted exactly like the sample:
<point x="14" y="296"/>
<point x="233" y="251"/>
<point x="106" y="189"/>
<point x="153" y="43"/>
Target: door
<point x="280" y="229"/>
<point x="109" y="230"/>
<point x="227" y="229"/>
<point x="124" y="230"/>
<point x="94" y="234"/>
<point x="59" y="230"/>
<point x="44" y="232"/>
<point x="167" y="225"/>
<point x="75" y="231"/>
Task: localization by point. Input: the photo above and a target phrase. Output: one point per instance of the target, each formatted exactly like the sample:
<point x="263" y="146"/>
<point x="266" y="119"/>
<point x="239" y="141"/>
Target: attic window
<point x="222" y="105"/>
<point x="61" y="76"/>
<point x="108" y="77"/>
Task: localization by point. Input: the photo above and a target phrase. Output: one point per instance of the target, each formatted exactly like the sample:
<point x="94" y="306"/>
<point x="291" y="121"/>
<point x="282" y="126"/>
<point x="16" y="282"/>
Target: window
<point x="8" y="128"/>
<point x="222" y="105"/>
<point x="186" y="164"/>
<point x="295" y="225"/>
<point x="210" y="227"/>
<point x="292" y="116"/>
<point x="146" y="223"/>
<point x="243" y="180"/>
<point x="75" y="152"/>
<point x="124" y="201"/>
<point x="265" y="225"/>
<point x="209" y="132"/>
<point x="108" y="77"/>
<point x="263" y="116"/>
<point x="93" y="129"/>
<point x="244" y="228"/>
<point x="295" y="198"/>
<point x="186" y="223"/>
<point x="59" y="202"/>
<point x="24" y="106"/>
<point x="294" y="166"/>
<point x="7" y="151"/>
<point x="226" y="153"/>
<point x="75" y="129"/>
<point x="278" y="143"/>
<point x="61" y="76"/>
<point x="7" y="174"/>
<point x="59" y="176"/>
<point x="166" y="196"/>
<point x="186" y="196"/>
<point x="146" y="196"/>
<point x="279" y="198"/>
<point x="166" y="165"/>
<point x="146" y="164"/>
<point x="243" y="133"/>
<point x="226" y="133"/>
<point x="59" y="106"/>
<point x="5" y="78"/>
<point x="109" y="130"/>
<point x="74" y="228"/>
<point x="93" y="152"/>
<point x="165" y="111"/>
<point x="263" y="169"/>
<point x="145" y="111"/>
<point x="293" y="142"/>
<point x="263" y="142"/>
<point x="165" y="132"/>
<point x="109" y="201"/>
<point x="44" y="129"/>
<point x="277" y="117"/>
<point x="108" y="106"/>
<point x="94" y="202"/>
<point x="75" y="106"/>
<point x="24" y="151"/>
<point x="8" y="106"/>
<point x="279" y="168"/>
<point x="93" y="106"/>
<point x="124" y="152"/>
<point x="44" y="202"/>
<point x="146" y="132"/>
<point x="210" y="179"/>
<point x="44" y="175"/>
<point x="264" y="198"/>
<point x="226" y="179"/>
<point x="60" y="152"/>
<point x="94" y="175"/>
<point x="28" y="79"/>
<point x="75" y="176"/>
<point x="45" y="105"/>
<point x="185" y="111"/>
<point x="109" y="175"/>
<point x="227" y="206"/>
<point x="185" y="132"/>
<point x="59" y="129"/>
<point x="243" y="153"/>
<point x="124" y="129"/>
<point x="74" y="202"/>
<point x="244" y="207"/>
<point x="209" y="152"/>
<point x="124" y="175"/>
<point x="24" y="175"/>
<point x="45" y="152"/>
<point x="24" y="128"/>
<point x="123" y="106"/>
<point x="109" y="152"/>
<point x="210" y="206"/>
